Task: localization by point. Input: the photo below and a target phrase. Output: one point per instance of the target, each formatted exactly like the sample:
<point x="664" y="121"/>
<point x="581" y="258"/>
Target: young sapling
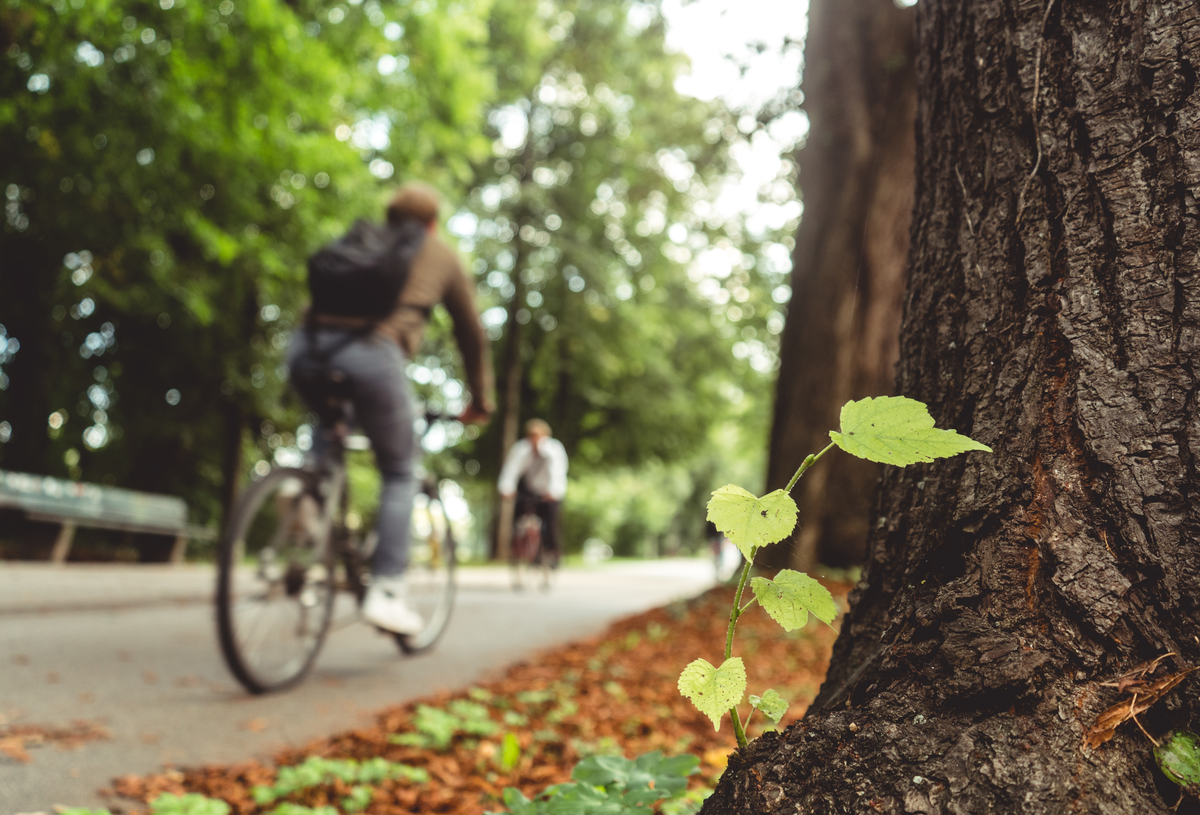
<point x="887" y="429"/>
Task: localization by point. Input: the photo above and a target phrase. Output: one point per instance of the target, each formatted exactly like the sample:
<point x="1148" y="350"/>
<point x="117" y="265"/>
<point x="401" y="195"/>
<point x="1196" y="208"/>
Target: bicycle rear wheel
<point x="526" y="541"/>
<point x="430" y="574"/>
<point x="276" y="581"/>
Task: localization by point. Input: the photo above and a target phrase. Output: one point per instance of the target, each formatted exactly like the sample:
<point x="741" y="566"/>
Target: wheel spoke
<point x="276" y="599"/>
<point x="430" y="575"/>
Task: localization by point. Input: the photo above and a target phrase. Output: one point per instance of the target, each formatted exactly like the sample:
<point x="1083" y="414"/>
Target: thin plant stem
<point x="735" y="611"/>
<point x="808" y="462"/>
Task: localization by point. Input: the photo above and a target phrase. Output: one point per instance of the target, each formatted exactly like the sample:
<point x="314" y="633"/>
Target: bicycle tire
<point x="525" y="548"/>
<point x="544" y="563"/>
<point x="430" y="575"/>
<point x="272" y="620"/>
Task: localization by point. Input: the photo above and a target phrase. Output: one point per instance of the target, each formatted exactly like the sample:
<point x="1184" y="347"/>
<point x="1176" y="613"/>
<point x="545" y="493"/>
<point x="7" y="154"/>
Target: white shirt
<point x="518" y="459"/>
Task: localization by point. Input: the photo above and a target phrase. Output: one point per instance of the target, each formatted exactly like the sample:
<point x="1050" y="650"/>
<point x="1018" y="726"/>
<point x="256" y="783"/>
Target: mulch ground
<point x="615" y="693"/>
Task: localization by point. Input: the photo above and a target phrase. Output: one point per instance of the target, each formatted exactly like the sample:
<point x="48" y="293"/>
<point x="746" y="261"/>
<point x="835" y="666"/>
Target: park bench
<point x="72" y="504"/>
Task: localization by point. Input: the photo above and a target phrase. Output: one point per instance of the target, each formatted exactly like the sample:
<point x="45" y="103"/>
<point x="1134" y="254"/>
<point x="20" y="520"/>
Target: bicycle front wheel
<point x="430" y="574"/>
<point x="276" y="582"/>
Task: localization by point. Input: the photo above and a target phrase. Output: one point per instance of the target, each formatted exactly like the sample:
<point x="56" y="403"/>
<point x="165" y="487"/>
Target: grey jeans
<point x="374" y="366"/>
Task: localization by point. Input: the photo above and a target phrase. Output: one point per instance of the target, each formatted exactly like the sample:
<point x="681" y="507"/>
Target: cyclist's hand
<point x="474" y="415"/>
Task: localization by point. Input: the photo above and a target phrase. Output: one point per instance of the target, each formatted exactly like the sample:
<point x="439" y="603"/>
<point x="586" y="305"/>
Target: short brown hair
<point x="539" y="425"/>
<point x="414" y="200"/>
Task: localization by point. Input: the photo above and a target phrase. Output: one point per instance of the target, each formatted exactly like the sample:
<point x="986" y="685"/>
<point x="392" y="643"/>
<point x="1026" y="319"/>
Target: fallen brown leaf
<point x="14" y="747"/>
<point x="16" y="739"/>
<point x="1143" y="695"/>
<point x="573" y="717"/>
<point x="257" y="725"/>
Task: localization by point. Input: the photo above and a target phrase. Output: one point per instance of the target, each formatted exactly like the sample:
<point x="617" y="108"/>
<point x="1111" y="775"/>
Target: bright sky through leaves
<point x="721" y="35"/>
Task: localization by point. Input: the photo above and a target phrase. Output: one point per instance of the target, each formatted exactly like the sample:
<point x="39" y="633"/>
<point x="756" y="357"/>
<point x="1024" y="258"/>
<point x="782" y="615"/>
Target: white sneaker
<point x="386" y="606"/>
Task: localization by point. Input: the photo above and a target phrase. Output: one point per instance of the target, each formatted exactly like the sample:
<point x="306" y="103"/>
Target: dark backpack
<point x="362" y="273"/>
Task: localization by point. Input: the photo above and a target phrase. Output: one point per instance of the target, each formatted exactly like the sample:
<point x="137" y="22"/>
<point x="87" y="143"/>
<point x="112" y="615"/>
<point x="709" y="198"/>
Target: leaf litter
<point x="612" y="694"/>
<point x="1142" y="693"/>
<point x="17" y="739"/>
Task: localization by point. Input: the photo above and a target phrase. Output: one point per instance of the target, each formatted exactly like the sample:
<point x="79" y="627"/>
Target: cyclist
<point x="370" y="355"/>
<point x="535" y="474"/>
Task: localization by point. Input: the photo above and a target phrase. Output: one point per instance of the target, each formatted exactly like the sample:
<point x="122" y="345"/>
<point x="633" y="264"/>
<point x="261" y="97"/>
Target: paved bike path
<point x="133" y="649"/>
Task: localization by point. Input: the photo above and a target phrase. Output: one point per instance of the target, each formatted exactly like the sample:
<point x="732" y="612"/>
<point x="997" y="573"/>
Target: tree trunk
<point x="26" y="300"/>
<point x="842" y="334"/>
<point x="231" y="458"/>
<point x="510" y="407"/>
<point x="1053" y="313"/>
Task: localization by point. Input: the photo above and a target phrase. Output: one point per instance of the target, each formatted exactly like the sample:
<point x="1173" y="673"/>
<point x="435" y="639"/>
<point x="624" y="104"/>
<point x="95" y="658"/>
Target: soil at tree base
<point x="623" y="688"/>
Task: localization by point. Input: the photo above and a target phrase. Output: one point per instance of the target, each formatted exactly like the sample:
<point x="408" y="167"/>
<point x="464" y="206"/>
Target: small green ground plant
<point x="361" y="776"/>
<point x="167" y="804"/>
<point x="609" y="785"/>
<point x="888" y="429"/>
<point x="436" y="728"/>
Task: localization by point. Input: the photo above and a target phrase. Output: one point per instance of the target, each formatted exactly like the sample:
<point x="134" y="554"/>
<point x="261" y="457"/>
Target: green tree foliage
<point x="168" y="166"/>
<point x="614" y="288"/>
<point x="596" y="157"/>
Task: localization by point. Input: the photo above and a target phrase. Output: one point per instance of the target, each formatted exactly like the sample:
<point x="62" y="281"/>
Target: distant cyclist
<point x="360" y="333"/>
<point x="535" y="474"/>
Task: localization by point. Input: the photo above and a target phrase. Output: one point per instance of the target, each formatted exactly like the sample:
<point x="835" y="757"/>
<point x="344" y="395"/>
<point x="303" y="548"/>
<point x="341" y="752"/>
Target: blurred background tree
<point x="849" y="270"/>
<point x="174" y="163"/>
<point x="169" y="165"/>
<point x="596" y="201"/>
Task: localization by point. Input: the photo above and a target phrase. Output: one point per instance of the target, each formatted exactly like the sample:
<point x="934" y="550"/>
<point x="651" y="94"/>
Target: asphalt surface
<point x="133" y="650"/>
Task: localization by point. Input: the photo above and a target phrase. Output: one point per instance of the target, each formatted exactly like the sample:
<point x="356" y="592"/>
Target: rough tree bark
<point x="1053" y="313"/>
<point x="841" y="340"/>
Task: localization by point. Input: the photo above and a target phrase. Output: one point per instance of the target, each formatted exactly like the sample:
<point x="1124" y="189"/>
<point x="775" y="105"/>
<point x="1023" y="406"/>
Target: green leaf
<point x="771" y="704"/>
<point x="510" y="752"/>
<point x="670" y="774"/>
<point x="751" y="522"/>
<point x="897" y="430"/>
<point x="791" y="596"/>
<point x="714" y="691"/>
<point x="1179" y="757"/>
<point x="192" y="803"/>
<point x="517" y="803"/>
<point x="359" y="799"/>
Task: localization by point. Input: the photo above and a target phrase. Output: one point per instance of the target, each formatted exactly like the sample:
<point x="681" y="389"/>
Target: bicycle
<point x="278" y="572"/>
<point x="528" y="553"/>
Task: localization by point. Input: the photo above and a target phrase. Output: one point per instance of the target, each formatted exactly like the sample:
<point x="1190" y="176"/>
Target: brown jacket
<point x="436" y="276"/>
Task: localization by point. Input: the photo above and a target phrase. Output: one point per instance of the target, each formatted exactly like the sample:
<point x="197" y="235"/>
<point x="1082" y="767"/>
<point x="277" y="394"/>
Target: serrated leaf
<point x="771" y="704"/>
<point x="897" y="430"/>
<point x="750" y="522"/>
<point x="791" y="596"/>
<point x="714" y="691"/>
